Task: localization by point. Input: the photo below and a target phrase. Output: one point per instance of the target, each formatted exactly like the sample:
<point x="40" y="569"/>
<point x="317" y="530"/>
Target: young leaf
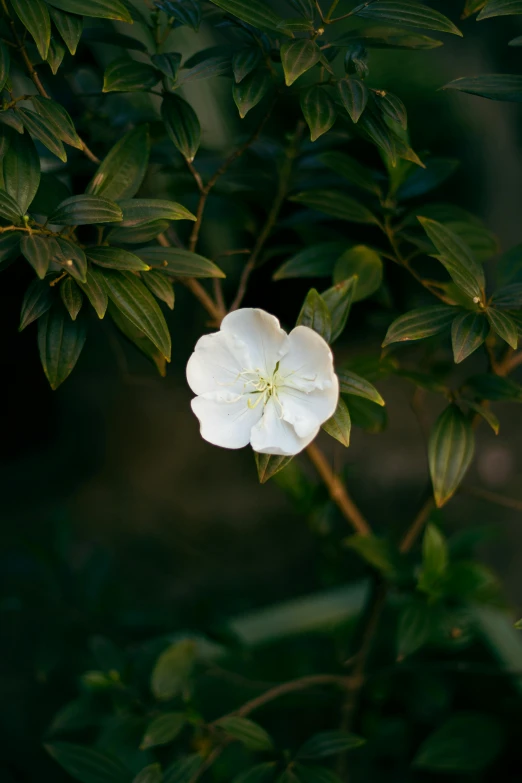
<point x="178" y="262"/>
<point x="338" y="300"/>
<point x="122" y="171"/>
<point x="34" y="16"/>
<point x="58" y="119"/>
<point x="329" y="743"/>
<point x="354" y="96"/>
<point x="318" y="110"/>
<point x="468" y="332"/>
<point x="163" y="729"/>
<point x="316" y="315"/>
<point x="71" y="297"/>
<point x="70" y="256"/>
<point x="297" y="57"/>
<point x="42" y="130"/>
<point x="313" y="261"/>
<point x="105" y="9"/>
<point x="160" y="286"/>
<point x="352" y="170"/>
<point x="268" y="465"/>
<point x="245" y="61"/>
<point x="21" y="166"/>
<point x="466" y="744"/>
<point x="254" y="12"/>
<point x="419" y="324"/>
<point x="407" y="13"/>
<point x="366" y="264"/>
<point x="69" y="26"/>
<point x="116" y="258"/>
<point x="496" y="87"/>
<point x="504" y="326"/>
<point x="173" y="670"/>
<point x="434" y="560"/>
<point x="37" y="301"/>
<point x="251" y="90"/>
<point x="340" y="424"/>
<point x="131" y="296"/>
<point x="351" y="383"/>
<point x="450" y="451"/>
<point x="150" y="774"/>
<point x="86" y="210"/>
<point x="86" y="764"/>
<point x="126" y="75"/>
<point x="139" y="212"/>
<point x="336" y="204"/>
<point x="95" y="292"/>
<point x="182" y="125"/>
<point x="60" y="342"/>
<point x="251" y="734"/>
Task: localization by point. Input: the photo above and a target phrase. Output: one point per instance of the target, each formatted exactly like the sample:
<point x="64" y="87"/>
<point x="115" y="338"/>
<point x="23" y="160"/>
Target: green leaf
<point x="500" y="8"/>
<point x="407" y="13"/>
<point x="493" y="387"/>
<point x="434" y="561"/>
<point x="182" y="125"/>
<point x="268" y="465"/>
<point x="131" y="296"/>
<point x="251" y="90"/>
<point x="261" y="773"/>
<point x="472" y="6"/>
<point x="504" y="326"/>
<point x="351" y="383"/>
<point x="160" y="286"/>
<point x="422" y="181"/>
<point x="104" y="9"/>
<point x="167" y="63"/>
<point x="71" y="297"/>
<point x="5" y="64"/>
<point x="9" y="209"/>
<point x="311" y="773"/>
<point x="365" y="414"/>
<point x="86" y="764"/>
<point x="509" y="297"/>
<point x="414" y="629"/>
<point x="58" y="120"/>
<point x="126" y="75"/>
<point x="69" y="256"/>
<point x="468" y="332"/>
<point x="56" y="55"/>
<point x="375" y="551"/>
<point x="116" y="258"/>
<point x="10" y="118"/>
<point x="86" y="210"/>
<point x="139" y="235"/>
<point x="336" y="204"/>
<point x="366" y="264"/>
<point x="316" y="315"/>
<point x="450" y="452"/>
<point x="516" y="41"/>
<point x="40" y="128"/>
<point x="37" y="301"/>
<point x="34" y="16"/>
<point x="339" y="426"/>
<point x="206" y="69"/>
<point x="95" y="292"/>
<point x="140" y="211"/>
<point x="419" y="324"/>
<point x="21" y="166"/>
<point x="254" y="12"/>
<point x="392" y="106"/>
<point x="297" y="57"/>
<point x="150" y="774"/>
<point x="183" y="771"/>
<point x="122" y="171"/>
<point x="173" y="670"/>
<point x="245" y="61"/>
<point x="465" y="743"/>
<point x="250" y="734"/>
<point x="109" y="36"/>
<point x="60" y="342"/>
<point x="37" y="251"/>
<point x="352" y="170"/>
<point x="488" y="415"/>
<point x="338" y="300"/>
<point x="163" y="729"/>
<point x="496" y="86"/>
<point x="465" y="272"/>
<point x="178" y="262"/>
<point x="387" y="38"/>
<point x="329" y="743"/>
<point x="138" y="338"/>
<point x="313" y="261"/>
<point x="69" y="26"/>
<point x="354" y="96"/>
<point x="318" y="110"/>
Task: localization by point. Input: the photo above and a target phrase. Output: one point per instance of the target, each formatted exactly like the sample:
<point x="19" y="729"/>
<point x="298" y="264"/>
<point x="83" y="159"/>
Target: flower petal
<point x="308" y="364"/>
<point x="214" y="366"/>
<point x="273" y="435"/>
<point x="259" y="341"/>
<point x="307" y="411"/>
<point x="227" y="421"/>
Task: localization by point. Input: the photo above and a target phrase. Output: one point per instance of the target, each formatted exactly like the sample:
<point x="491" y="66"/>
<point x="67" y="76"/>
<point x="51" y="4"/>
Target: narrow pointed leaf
<point x="456" y="256"/>
<point x="58" y="119"/>
<point x="245" y="61"/>
<point x="183" y="770"/>
<point x="364" y="262"/>
<point x="140" y="211"/>
<point x="178" y="262"/>
<point x="126" y="75"/>
<point x="182" y="125"/>
<point x="486" y="414"/>
<point x="37" y="250"/>
<point x="150" y="774"/>
<point x="387" y="38"/>
<point x="161" y="286"/>
<point x="167" y="63"/>
<point x="318" y="110"/>
<point x="393" y="107"/>
<point x="261" y="773"/>
<point x="316" y="315"/>
<point x="122" y="171"/>
<point x="313" y="261"/>
<point x="71" y="297"/>
<point x="509" y="297"/>
<point x="60" y="342"/>
<point x="339" y="426"/>
<point x="298" y="57"/>
<point x="268" y="465"/>
<point x="468" y="332"/>
<point x="37" y="300"/>
<point x="351" y="383"/>
<point x="87" y="765"/>
<point x="104" y="9"/>
<point x="40" y="128"/>
<point x="94" y="290"/>
<point x="116" y="258"/>
<point x="351" y="170"/>
<point x="138" y="338"/>
<point x="500" y="8"/>
<point x="329" y="743"/>
<point x="504" y="326"/>
<point x="254" y="12"/>
<point x="354" y="96"/>
<point x="251" y="90"/>
<point x="69" y="26"/>
<point x="250" y="734"/>
<point x="338" y="300"/>
<point x="173" y="669"/>
<point x="419" y="324"/>
<point x="423" y="180"/>
<point x="86" y="210"/>
<point x="494" y="387"/>
<point x="9" y="209"/>
<point x="70" y="256"/>
<point x="35" y="18"/>
<point x="336" y="204"/>
<point x="450" y="452"/>
<point x="55" y="55"/>
<point x="163" y="729"/>
<point x="496" y="86"/>
<point x="407" y="13"/>
<point x="466" y="744"/>
<point x="21" y="166"/>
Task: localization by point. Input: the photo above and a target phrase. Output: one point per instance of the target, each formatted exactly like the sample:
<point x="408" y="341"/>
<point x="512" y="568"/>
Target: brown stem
<point x="417" y="525"/>
<point x="337" y="491"/>
<point x="284" y="180"/>
<point x="493" y="497"/>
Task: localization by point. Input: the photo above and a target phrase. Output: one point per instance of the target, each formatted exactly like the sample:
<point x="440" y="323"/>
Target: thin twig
<point x="493" y="497"/>
<point x="338" y="491"/>
<point x="417" y="525"/>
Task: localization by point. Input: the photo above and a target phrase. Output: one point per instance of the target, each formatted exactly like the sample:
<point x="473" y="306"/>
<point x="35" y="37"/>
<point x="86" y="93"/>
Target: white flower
<point x="257" y="384"/>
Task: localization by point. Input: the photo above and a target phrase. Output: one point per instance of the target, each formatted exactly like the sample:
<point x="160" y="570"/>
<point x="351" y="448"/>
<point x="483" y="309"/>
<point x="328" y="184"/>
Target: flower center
<point x="262" y="386"/>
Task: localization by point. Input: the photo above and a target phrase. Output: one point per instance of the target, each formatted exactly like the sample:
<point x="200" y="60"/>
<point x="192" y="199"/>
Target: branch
<point x="417" y="525"/>
<point x="493" y="497"/>
<point x="338" y="491"/>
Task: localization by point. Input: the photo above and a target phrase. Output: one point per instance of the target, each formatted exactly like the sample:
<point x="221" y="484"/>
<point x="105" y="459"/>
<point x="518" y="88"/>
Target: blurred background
<point x="118" y="519"/>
